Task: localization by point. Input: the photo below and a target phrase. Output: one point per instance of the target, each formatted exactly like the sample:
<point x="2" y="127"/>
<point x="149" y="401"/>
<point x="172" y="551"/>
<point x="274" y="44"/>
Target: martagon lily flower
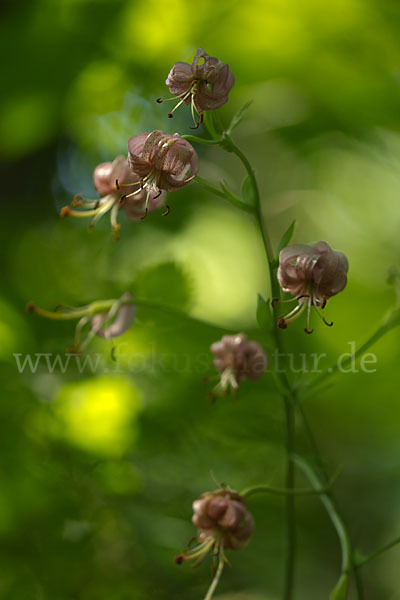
<point x="223" y="522"/>
<point x="107" y="179"/>
<point x="205" y="85"/>
<point x="108" y="319"/>
<point x="161" y="162"/>
<point x="236" y="359"/>
<point x="312" y="274"/>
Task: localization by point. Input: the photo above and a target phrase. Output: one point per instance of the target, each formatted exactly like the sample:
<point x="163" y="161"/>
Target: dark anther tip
<point x="30" y="307"/>
<point x="328" y="324"/>
<point x="167" y="211"/>
<point x="274" y="301"/>
<point x="308" y="331"/>
<point x="195" y="126"/>
<point x="178" y="559"/>
<point x="145" y="214"/>
<point x="281" y="324"/>
<point x="117" y="184"/>
<point x="170" y="115"/>
<point x="159" y="100"/>
<point x="122" y="198"/>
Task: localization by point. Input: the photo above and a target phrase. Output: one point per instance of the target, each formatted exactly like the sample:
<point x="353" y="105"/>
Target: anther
<point x="146" y="210"/>
<point x="170" y="115"/>
<point x="30" y="307"/>
<point x="117" y="185"/>
<point x="281" y="323"/>
<point x="159" y="100"/>
<point x="326" y="322"/>
<point x="179" y="559"/>
<point x="167" y="211"/>
<point x="77" y="200"/>
<point x="65" y="211"/>
<point x="122" y="198"/>
<point x="308" y="330"/>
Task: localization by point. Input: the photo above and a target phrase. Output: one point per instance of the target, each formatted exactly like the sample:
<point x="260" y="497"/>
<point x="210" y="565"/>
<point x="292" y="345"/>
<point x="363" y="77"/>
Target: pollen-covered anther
<point x="77" y="201"/>
<point x="65" y="211"/>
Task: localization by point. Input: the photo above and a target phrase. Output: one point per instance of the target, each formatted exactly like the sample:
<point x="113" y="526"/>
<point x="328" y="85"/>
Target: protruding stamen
<point x="307" y="328"/>
<point x="167" y="211"/>
<point x="322" y="317"/>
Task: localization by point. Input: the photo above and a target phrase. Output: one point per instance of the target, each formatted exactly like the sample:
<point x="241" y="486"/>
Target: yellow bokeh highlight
<point x="99" y="414"/>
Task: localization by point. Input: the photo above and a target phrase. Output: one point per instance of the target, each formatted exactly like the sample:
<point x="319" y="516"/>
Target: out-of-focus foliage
<point x="101" y="459"/>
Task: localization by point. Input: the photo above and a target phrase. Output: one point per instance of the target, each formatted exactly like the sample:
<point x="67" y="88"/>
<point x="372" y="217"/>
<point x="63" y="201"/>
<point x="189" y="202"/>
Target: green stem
<point x="391" y="322"/>
<point x="224" y="193"/>
<point x="194" y="139"/>
<point x="230" y="146"/>
<point x="367" y="559"/>
<point x="331" y="509"/>
<point x="268" y="489"/>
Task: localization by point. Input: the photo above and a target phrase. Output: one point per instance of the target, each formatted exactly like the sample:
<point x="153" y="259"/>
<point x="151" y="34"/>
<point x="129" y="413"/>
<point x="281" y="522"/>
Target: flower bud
<point x="225" y="512"/>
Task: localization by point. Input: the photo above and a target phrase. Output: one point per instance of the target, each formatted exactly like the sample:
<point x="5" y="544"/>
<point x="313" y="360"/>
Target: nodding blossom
<point x="223" y="522"/>
<point x="105" y="318"/>
<point x="205" y="85"/>
<point x="117" y="321"/>
<point x="107" y="179"/>
<point x="237" y="359"/>
<point x="160" y="161"/>
<point x="312" y="274"/>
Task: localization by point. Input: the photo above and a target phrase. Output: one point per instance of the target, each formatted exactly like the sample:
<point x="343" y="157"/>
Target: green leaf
<point x="238" y="117"/>
<point x="341" y="588"/>
<point x="287" y="236"/>
<point x="247" y="192"/>
<point x="263" y="313"/>
<point x="166" y="283"/>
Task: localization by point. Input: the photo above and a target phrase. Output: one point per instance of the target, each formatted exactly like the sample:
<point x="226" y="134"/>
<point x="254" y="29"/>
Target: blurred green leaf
<point x="247" y="192"/>
<point x="237" y="118"/>
<point x="264" y="316"/>
<point x="167" y="284"/>
<point x="341" y="589"/>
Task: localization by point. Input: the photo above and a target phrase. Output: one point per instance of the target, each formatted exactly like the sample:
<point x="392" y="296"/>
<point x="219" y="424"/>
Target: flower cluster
<point x="237" y="359"/>
<point x="222" y="521"/>
<point x="158" y="163"/>
<point x="312" y="274"/>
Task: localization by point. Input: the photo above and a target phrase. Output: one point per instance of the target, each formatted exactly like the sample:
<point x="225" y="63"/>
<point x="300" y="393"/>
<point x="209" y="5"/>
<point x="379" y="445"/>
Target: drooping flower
<point x="161" y="162"/>
<point x="223" y="522"/>
<point x="204" y="85"/>
<point x="312" y="274"/>
<point x="105" y="318"/>
<point x="237" y="359"/>
<point x="108" y="177"/>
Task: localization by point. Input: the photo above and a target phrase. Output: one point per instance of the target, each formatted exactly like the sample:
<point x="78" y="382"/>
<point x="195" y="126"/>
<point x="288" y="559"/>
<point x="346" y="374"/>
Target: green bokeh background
<point x="98" y="472"/>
